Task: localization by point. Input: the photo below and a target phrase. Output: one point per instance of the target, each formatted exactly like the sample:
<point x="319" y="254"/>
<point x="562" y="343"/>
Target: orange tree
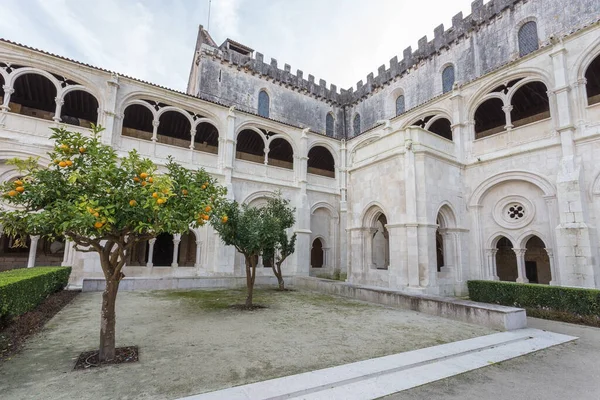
<point x="278" y="218"/>
<point x="106" y="204"/>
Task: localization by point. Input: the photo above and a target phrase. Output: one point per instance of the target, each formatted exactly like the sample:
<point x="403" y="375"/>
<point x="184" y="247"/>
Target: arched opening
<point x="356" y="124"/>
<point x="592" y="77"/>
<point x="162" y="256"/>
<point x="174" y="129"/>
<point x="207" y="138"/>
<point x="530" y="104"/>
<point x="34" y="96"/>
<point x="439" y="249"/>
<point x="250" y="146"/>
<point x="506" y="261"/>
<point x="49" y="252"/>
<point x="187" y="250"/>
<point x="316" y="254"/>
<point x="80" y="108"/>
<point x="329" y="125"/>
<point x="489" y="118"/>
<point x="320" y="162"/>
<point x="138" y="257"/>
<point x="281" y="154"/>
<point x="380" y="256"/>
<point x="447" y="78"/>
<point x="400" y="106"/>
<point x="528" y="38"/>
<point x="2" y="83"/>
<point x="537" y="262"/>
<point x="137" y="122"/>
<point x="441" y="127"/>
<point x="263" y="104"/>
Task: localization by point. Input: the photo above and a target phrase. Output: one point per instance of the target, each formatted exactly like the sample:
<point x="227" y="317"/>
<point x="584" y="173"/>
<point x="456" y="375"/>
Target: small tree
<point x="247" y="231"/>
<point x="278" y="218"/>
<point x="106" y="205"/>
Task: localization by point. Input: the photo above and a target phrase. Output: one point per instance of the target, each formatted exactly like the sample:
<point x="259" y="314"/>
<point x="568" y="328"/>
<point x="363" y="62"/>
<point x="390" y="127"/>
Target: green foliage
<point x="573" y="300"/>
<point x="88" y="191"/>
<point x="21" y="290"/>
<point x="278" y="218"/>
<point x="244" y="228"/>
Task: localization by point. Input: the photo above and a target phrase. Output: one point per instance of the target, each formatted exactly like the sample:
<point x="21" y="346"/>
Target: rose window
<point x="516" y="212"/>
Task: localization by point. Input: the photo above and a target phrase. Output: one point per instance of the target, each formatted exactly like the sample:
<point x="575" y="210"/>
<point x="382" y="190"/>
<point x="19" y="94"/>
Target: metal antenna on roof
<point x="208" y="25"/>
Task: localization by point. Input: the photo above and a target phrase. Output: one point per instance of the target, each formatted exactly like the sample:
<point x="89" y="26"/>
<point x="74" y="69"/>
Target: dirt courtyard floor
<point x="191" y="342"/>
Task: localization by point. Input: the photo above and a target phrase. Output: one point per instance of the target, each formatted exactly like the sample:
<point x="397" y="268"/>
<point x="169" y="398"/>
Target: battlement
<point x="256" y="65"/>
<point x="443" y="39"/>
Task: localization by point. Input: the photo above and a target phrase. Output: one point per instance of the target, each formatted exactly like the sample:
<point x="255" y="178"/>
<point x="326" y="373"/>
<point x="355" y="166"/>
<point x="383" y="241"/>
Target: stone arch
<point x="541" y="182"/>
<point x="138" y="120"/>
<point x="423" y="118"/>
<point x="207" y="136"/>
<point x="38" y="103"/>
<point x="250" y="145"/>
<point x="316" y="252"/>
<point x="489" y="117"/>
<point x="440" y="126"/>
<point x="174" y="127"/>
<point x="530" y="102"/>
<point x="370" y="213"/>
<point x="80" y="107"/>
<point x="592" y="79"/>
<point x="446" y="248"/>
<point x="528" y="37"/>
<point x="264" y="103"/>
<point x="447" y="215"/>
<point x="522" y="240"/>
<point x="322" y="204"/>
<point x="281" y="153"/>
<point x="538" y="267"/>
<point x="261" y="194"/>
<point x="323" y="143"/>
<point x="394" y="103"/>
<point x="448" y="77"/>
<point x="320" y="161"/>
<point x="506" y="267"/>
<point x="271" y="136"/>
<point x="329" y="124"/>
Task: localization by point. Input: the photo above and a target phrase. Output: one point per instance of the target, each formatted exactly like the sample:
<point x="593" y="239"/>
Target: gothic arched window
<point x="400" y="107"/>
<point x="528" y="38"/>
<point x="356" y="124"/>
<point x="263" y="104"/>
<point x="329" y="125"/>
<point x="448" y="78"/>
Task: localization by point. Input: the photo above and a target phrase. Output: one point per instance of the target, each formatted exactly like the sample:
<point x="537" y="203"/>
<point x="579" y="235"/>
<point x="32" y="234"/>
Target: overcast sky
<point x="340" y="41"/>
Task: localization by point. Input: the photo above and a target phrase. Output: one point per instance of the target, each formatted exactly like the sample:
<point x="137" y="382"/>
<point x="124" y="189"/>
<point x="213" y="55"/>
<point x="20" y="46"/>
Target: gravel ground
<point x="192" y="342"/>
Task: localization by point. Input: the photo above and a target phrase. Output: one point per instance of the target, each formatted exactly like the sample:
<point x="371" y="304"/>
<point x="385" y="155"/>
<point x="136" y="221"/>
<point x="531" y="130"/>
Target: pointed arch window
<point x="528" y="38"/>
<point x="448" y="78"/>
<point x="400" y="106"/>
<point x="329" y="125"/>
<point x="263" y="104"/>
<point x="356" y="124"/>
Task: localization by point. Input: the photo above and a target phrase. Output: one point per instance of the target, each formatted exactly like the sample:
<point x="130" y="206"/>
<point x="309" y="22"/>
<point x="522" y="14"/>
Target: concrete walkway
<point x="568" y="371"/>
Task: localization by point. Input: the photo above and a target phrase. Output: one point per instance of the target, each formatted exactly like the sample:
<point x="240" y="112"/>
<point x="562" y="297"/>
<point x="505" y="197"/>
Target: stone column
<point x="198" y="262"/>
<point x="326" y="257"/>
<point x="550" y="253"/>
<point x="110" y="116"/>
<point x="192" y="137"/>
<point x="266" y="161"/>
<point x="398" y="270"/>
<point x="155" y="124"/>
<point x="343" y="221"/>
<point x="507" y="110"/>
<point x="458" y="131"/>
<point x="59" y="103"/>
<point x="412" y="225"/>
<point x="32" y="250"/>
<point x="151" y="242"/>
<point x="4" y="109"/>
<point x="522" y="275"/>
<point x="302" y="228"/>
<point x="491" y="272"/>
<point x="176" y="241"/>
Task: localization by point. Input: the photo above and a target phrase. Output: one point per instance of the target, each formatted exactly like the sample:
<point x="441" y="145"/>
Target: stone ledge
<point x="129" y="284"/>
<point x="489" y="315"/>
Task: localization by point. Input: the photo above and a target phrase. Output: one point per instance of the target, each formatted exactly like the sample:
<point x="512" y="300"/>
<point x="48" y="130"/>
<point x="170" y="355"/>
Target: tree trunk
<point x="279" y="275"/>
<point x="107" y="321"/>
<point x="249" y="281"/>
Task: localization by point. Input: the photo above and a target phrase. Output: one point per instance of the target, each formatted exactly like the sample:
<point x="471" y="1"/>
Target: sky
<point x="341" y="41"/>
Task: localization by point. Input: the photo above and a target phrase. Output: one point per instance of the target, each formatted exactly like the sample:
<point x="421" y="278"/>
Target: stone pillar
<point x="343" y="221"/>
<point x="491" y="271"/>
<point x="32" y="250"/>
<point x="266" y="161"/>
<point x="198" y="262"/>
<point x="176" y="241"/>
<point x="109" y="118"/>
<point x="326" y="257"/>
<point x="576" y="248"/>
<point x="192" y="137"/>
<point x="302" y="228"/>
<point x="522" y="276"/>
<point x="151" y="242"/>
<point x="155" y="124"/>
<point x="8" y="91"/>
<point x="458" y="131"/>
<point x="69" y="254"/>
<point x="550" y="253"/>
<point x="398" y="269"/>
<point x="507" y="110"/>
<point x="412" y="225"/>
<point x="59" y="103"/>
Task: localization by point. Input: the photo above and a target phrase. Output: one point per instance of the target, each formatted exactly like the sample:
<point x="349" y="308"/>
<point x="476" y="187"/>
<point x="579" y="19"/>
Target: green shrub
<point x="21" y="290"/>
<point x="573" y="300"/>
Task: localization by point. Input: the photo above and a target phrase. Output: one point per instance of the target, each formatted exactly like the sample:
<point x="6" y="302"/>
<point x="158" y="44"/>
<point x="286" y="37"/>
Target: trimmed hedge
<point x="572" y="300"/>
<point x="21" y="290"/>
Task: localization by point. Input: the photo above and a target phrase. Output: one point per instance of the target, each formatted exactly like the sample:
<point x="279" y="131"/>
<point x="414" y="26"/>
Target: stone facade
<point x="494" y="178"/>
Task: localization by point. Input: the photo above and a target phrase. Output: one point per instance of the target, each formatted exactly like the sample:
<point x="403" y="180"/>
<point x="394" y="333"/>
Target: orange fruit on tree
<point x="206" y="217"/>
<point x="62" y="164"/>
<point x="224" y="219"/>
<point x="150" y="179"/>
<point x="184" y="192"/>
<point x="69" y="163"/>
<point x="98" y="225"/>
<point x="155" y="194"/>
<point x="203" y="187"/>
<point x="96" y="214"/>
<point x="144" y="183"/>
<point x="56" y="161"/>
<point x="136" y="179"/>
<point x="63" y="147"/>
<point x="207" y="208"/>
<point x="143" y="175"/>
<point x="82" y="150"/>
<point x="132" y="203"/>
<point x="160" y="201"/>
<point x="20" y="189"/>
<point x="165" y="191"/>
<point x="13" y="193"/>
<point x="18" y="183"/>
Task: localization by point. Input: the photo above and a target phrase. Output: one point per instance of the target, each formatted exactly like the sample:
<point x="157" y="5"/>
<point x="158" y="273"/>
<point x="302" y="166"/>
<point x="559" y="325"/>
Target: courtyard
<point x="192" y="342"/>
